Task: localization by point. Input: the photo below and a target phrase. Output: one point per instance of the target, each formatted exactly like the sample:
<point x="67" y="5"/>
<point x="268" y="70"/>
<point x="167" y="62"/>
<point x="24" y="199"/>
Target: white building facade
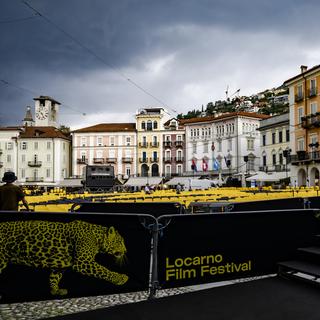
<point x="38" y="152"/>
<point x="227" y="144"/>
<point x="275" y="144"/>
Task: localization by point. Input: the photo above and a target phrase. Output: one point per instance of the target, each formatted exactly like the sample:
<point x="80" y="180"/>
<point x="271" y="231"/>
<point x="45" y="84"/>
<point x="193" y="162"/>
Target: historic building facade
<point x="275" y="144"/>
<point x="173" y="140"/>
<point x="38" y="152"/>
<point x="106" y="144"/>
<point x="304" y="101"/>
<point x="150" y="125"/>
<point x="227" y="144"/>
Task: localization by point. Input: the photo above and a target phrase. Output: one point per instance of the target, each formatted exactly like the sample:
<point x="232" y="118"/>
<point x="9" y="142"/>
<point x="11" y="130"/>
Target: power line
<point x="109" y="65"/>
<point x="33" y="93"/>
<point x="19" y="19"/>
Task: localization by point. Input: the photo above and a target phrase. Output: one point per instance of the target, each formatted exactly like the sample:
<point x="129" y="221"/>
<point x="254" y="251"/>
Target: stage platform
<point x="266" y="299"/>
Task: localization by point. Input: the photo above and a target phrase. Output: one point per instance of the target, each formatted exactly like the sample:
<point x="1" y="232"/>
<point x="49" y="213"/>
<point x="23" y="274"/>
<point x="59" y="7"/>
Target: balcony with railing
<point x="153" y="159"/>
<point x="34" y="179"/>
<point x="127" y="160"/>
<point x="167" y="144"/>
<point x="154" y="144"/>
<point x="179" y="159"/>
<point x="179" y="143"/>
<point x="274" y="168"/>
<point x="298" y="97"/>
<point x="167" y="159"/>
<point x="111" y="160"/>
<point x="143" y="160"/>
<point x="98" y="160"/>
<point x="143" y="144"/>
<point x="35" y="164"/>
<point x="303" y="157"/>
<point x="311" y="121"/>
<point x="312" y="92"/>
<point x="82" y="161"/>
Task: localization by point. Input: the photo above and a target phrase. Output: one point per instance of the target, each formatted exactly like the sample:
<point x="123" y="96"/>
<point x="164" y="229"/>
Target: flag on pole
<point x="194" y="166"/>
<point x="216" y="165"/>
<point x="204" y="165"/>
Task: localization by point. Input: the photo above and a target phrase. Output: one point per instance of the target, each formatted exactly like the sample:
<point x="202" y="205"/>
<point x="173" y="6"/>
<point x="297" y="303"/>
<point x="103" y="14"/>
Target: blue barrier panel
<point x="57" y="255"/>
<point x="194" y="249"/>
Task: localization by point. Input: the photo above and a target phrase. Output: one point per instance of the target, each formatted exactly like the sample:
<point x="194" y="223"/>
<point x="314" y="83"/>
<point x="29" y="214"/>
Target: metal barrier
<point x="48" y="256"/>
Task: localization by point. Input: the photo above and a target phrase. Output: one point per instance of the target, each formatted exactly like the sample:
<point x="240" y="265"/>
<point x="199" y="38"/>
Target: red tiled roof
<point x="180" y="121"/>
<point x="226" y="115"/>
<point x="108" y="127"/>
<point x="9" y="128"/>
<point x="42" y="132"/>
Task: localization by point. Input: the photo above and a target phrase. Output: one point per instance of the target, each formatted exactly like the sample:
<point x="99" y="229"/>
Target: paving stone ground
<point x="46" y="309"/>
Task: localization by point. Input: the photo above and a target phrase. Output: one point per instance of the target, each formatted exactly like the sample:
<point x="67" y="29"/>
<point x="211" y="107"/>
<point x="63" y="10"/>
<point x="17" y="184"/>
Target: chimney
<point x="303" y="68"/>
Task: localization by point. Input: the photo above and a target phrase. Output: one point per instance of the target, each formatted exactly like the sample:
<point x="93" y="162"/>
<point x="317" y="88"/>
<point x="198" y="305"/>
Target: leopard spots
<point x="58" y="246"/>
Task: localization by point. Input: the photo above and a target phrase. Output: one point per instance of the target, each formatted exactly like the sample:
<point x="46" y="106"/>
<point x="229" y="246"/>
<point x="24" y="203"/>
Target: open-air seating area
<point x="59" y="200"/>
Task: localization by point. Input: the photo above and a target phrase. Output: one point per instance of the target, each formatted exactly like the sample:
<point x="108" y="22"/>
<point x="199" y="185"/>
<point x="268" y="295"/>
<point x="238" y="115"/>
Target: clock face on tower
<point x="42" y="114"/>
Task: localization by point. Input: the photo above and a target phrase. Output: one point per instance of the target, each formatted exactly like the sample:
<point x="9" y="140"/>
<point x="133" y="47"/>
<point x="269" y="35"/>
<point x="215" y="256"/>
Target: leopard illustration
<point x="58" y="246"/>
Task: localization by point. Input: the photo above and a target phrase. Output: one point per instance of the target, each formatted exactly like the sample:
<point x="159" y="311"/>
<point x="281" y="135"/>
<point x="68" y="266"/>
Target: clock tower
<point x="46" y="111"/>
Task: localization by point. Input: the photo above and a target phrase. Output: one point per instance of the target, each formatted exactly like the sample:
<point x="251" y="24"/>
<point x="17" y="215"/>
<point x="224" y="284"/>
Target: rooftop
<point x="274" y="121"/>
<point x="302" y="74"/>
<point x="108" y="127"/>
<point x="225" y="116"/>
<point x="46" y="98"/>
<point x="42" y="132"/>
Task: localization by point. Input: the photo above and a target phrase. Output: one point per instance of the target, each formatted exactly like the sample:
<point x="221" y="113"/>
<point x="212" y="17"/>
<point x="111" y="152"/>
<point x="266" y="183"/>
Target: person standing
<point x="10" y="194"/>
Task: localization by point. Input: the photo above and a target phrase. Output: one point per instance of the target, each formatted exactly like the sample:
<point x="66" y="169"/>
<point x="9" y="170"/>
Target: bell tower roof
<point x="28" y="116"/>
<point x="46" y="98"/>
<point x="28" y="120"/>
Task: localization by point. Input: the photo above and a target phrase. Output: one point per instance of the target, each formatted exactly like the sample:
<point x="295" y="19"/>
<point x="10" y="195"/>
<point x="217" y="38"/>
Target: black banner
<point x="273" y="204"/>
<point x="57" y="255"/>
<point x="155" y="209"/>
<point x="202" y="248"/>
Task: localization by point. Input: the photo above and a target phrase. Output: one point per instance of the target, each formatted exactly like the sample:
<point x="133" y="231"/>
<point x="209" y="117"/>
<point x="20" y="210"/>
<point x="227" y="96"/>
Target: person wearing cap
<point x="10" y="194"/>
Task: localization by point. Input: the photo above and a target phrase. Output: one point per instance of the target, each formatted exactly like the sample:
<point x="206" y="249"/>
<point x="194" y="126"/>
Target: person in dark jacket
<point x="10" y="194"/>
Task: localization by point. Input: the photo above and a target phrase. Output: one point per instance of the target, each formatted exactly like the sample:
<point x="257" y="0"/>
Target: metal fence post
<point x="154" y="260"/>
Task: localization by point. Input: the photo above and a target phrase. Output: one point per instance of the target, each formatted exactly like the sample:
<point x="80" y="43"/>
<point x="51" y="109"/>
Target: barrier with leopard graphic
<point x="57" y="256"/>
<point x="48" y="256"/>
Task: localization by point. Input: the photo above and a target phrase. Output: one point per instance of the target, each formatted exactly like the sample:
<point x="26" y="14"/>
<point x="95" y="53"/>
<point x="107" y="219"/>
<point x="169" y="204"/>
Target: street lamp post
<point x="246" y="159"/>
<point x="286" y="154"/>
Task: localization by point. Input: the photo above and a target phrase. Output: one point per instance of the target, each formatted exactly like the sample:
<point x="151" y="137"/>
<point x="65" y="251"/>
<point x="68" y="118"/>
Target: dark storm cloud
<point x="131" y="36"/>
<point x="117" y="30"/>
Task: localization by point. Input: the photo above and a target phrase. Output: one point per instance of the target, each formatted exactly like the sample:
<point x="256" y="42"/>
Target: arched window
<point x="143" y="125"/>
<point x="155" y="125"/>
<point x="149" y="125"/>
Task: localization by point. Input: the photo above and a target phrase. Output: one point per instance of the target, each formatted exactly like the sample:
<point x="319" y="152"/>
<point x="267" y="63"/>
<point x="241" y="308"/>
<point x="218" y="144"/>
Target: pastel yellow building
<point x="304" y="103"/>
<point x="150" y="124"/>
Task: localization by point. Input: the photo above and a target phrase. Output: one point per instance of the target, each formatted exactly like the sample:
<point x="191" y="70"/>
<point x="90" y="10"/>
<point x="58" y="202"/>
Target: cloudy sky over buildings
<point x="178" y="54"/>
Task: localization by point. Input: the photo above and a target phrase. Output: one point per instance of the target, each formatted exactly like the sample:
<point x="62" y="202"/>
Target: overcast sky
<point x="183" y="52"/>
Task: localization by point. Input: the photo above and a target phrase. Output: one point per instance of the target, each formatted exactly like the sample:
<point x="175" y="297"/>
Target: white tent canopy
<point x="184" y="181"/>
<point x="142" y="181"/>
<point x="262" y="176"/>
